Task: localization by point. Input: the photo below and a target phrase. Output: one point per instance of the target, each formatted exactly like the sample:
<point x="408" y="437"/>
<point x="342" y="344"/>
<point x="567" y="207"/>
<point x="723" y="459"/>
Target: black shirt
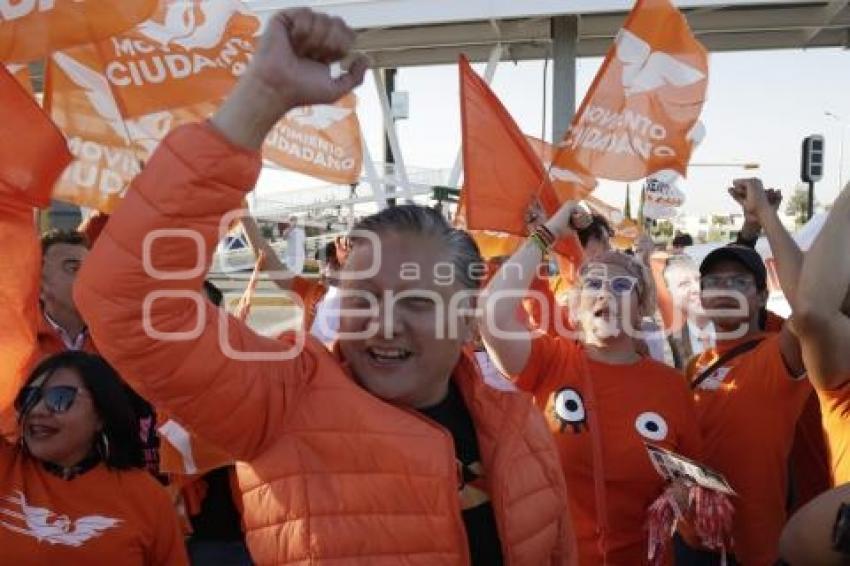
<point x="219" y="519"/>
<point x="485" y="548"/>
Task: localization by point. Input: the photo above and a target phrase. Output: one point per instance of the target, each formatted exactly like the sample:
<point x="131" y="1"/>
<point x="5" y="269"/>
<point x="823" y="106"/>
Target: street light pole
<point x="844" y="125"/>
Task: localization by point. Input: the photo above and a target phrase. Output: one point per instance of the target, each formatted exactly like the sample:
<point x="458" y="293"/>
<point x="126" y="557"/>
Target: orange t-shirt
<point x="835" y="411"/>
<point x="98" y="517"/>
<point x="748" y="411"/>
<point x="601" y="417"/>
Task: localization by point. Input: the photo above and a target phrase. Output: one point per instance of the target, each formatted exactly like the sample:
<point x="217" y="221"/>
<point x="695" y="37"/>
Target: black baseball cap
<point x="744" y="255"/>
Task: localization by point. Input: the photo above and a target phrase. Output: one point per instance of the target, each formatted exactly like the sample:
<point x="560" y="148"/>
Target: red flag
<point x="33" y="152"/>
<point x="30" y="29"/>
<point x="502" y="174"/>
<point x="642" y="110"/>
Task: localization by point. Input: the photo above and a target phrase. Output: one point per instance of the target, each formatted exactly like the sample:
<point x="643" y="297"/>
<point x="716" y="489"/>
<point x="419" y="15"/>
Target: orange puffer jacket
<point x="328" y="472"/>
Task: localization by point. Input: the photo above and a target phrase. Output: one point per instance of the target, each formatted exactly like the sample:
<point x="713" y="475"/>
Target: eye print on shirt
<point x="651" y="426"/>
<point x="568" y="409"/>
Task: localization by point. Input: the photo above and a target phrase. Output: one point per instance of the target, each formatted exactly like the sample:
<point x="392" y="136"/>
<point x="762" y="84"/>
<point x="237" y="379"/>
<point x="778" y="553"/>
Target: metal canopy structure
<point x="408" y="33"/>
<point x="402" y="33"/>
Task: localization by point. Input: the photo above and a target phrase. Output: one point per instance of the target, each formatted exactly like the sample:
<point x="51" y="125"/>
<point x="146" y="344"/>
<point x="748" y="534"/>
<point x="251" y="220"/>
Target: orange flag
<point x="20" y="271"/>
<point x="322" y="141"/>
<point x="189" y="51"/>
<point x="625" y="233"/>
<point x="568" y="185"/>
<point x="502" y="174"/>
<point x="22" y="74"/>
<point x="641" y="113"/>
<point x="105" y="160"/>
<point x="30" y="29"/>
<point x="32" y="155"/>
<point x="108" y="148"/>
<point x="32" y="151"/>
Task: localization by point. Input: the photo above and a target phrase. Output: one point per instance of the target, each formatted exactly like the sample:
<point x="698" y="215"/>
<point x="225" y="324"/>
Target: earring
<point x="103" y="447"/>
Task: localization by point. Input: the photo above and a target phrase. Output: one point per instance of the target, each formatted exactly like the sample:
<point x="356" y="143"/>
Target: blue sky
<point x="760" y="105"/>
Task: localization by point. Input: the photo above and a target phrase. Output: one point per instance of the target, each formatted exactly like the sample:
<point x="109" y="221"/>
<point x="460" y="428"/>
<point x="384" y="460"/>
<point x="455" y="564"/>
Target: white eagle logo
<point x="147" y="130"/>
<point x="46" y="526"/>
<point x="196" y="24"/>
<point x="645" y="70"/>
<point x="321" y="116"/>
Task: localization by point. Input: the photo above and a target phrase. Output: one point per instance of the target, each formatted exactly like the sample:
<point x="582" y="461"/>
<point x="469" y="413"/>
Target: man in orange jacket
<point x="389" y="450"/>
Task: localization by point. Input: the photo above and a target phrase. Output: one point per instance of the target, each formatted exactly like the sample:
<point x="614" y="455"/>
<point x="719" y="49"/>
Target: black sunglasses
<point x="58" y="398"/>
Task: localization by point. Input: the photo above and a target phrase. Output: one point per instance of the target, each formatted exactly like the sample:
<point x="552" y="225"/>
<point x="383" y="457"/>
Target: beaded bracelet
<point x="538" y="241"/>
<point x="546" y="234"/>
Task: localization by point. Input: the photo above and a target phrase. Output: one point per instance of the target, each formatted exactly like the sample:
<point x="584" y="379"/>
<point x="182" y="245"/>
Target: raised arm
<point x="139" y="289"/>
<point x="507" y="338"/>
<point x="762" y="207"/>
<point x="754" y="199"/>
<point x="279" y="274"/>
<point x="751" y="229"/>
<point x="822" y="313"/>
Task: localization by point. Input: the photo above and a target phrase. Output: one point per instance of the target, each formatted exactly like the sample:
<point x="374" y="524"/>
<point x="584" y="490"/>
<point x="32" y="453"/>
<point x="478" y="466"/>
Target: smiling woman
<point x="75" y="479"/>
<point x="603" y="401"/>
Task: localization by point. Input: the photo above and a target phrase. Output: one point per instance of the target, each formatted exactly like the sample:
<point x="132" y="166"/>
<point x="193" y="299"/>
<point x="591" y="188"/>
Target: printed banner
<point x="109" y="150"/>
<point x="189" y="51"/>
<point x="322" y="141"/>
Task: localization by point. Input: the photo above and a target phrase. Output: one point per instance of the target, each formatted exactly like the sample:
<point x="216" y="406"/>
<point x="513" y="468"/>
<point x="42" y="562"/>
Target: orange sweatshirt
<point x="99" y="517"/>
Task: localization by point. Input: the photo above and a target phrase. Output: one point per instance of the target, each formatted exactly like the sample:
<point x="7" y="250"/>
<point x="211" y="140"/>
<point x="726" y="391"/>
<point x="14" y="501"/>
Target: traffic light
<point x="813" y="149"/>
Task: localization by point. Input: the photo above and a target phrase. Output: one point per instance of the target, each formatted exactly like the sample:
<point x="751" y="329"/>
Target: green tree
<point x="798" y="204"/>
<point x="663" y="230"/>
<point x="267" y="231"/>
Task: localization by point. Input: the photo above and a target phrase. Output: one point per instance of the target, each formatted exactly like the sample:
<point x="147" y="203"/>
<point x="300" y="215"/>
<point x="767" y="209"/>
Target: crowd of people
<point x="434" y="408"/>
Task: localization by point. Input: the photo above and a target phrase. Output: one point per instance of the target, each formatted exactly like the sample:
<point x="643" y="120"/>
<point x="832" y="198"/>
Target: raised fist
<point x="290" y="68"/>
<point x="569" y="217"/>
<point x="754" y="199"/>
<point x="294" y="55"/>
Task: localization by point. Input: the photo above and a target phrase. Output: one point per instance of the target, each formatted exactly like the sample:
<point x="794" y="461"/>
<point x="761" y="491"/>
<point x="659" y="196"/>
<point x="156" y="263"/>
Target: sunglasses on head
<point x="57" y="398"/>
<point x="619" y="285"/>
